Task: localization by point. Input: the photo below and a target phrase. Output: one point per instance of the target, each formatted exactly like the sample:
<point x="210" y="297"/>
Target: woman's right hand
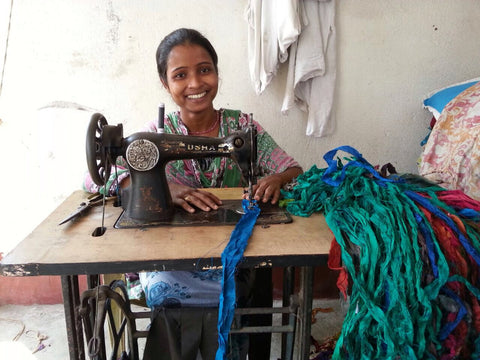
<point x="188" y="198"/>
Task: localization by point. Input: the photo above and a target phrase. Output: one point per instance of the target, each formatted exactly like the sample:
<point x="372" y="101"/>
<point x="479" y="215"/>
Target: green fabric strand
<point x="397" y="328"/>
<point x="394" y="310"/>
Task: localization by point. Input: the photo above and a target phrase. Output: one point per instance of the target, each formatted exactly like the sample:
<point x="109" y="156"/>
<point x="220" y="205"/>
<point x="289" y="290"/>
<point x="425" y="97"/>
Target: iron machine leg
<point x="306" y="298"/>
<point x="288" y="290"/>
<point x="71" y="300"/>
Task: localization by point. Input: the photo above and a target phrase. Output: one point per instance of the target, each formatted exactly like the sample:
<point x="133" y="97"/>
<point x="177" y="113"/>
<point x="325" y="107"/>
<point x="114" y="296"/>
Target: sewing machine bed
<point x="228" y="214"/>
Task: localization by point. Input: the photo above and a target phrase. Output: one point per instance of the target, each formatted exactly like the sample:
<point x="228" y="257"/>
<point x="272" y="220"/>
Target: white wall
<point x="64" y="55"/>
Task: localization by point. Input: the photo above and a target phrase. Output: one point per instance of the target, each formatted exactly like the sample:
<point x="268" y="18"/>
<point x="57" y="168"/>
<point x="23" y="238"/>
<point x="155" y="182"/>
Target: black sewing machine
<point x="147" y="201"/>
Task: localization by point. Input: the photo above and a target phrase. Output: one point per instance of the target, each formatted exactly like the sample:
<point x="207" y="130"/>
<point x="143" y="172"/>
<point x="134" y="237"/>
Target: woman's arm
<point x="272" y="160"/>
<point x="117" y="176"/>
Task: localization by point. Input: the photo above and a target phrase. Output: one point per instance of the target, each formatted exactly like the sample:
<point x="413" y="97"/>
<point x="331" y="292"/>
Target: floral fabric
<point x="451" y="157"/>
<point x="182" y="288"/>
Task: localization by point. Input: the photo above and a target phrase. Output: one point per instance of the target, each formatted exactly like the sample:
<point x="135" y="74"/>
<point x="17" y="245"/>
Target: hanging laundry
<point x="302" y="32"/>
<point x="312" y="68"/>
<point x="273" y="25"/>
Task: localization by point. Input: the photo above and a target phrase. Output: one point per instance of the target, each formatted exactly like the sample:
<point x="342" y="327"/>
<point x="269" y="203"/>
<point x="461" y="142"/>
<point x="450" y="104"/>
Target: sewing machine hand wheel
<point x="96" y="155"/>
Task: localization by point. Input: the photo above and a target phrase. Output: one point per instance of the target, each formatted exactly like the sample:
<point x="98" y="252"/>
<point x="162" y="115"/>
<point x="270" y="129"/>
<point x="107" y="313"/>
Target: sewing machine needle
<point x="250" y="193"/>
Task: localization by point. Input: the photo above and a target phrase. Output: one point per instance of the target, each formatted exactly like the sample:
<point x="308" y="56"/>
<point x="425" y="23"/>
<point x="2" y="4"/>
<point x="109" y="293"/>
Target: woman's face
<point x="191" y="78"/>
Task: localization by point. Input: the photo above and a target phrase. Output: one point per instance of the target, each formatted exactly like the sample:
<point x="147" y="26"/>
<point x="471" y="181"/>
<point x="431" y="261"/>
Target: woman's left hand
<point x="268" y="188"/>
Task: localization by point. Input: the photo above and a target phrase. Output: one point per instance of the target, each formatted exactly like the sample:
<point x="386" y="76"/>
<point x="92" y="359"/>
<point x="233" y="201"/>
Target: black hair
<point x="181" y="36"/>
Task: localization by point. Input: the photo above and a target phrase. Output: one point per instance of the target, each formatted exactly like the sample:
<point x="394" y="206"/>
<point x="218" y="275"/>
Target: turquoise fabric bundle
<point x="412" y="296"/>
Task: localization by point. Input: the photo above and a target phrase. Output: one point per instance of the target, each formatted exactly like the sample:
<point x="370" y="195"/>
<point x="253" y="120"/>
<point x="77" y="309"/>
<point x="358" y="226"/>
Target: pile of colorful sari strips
<point x="410" y="252"/>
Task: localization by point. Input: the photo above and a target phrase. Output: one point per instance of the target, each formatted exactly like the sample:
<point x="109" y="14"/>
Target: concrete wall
<point x="66" y="58"/>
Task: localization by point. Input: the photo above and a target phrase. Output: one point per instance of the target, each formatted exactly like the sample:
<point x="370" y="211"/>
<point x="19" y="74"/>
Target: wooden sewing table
<point x="70" y="250"/>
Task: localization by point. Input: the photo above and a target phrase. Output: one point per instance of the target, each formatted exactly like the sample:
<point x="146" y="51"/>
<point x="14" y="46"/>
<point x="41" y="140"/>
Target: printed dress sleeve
<point x="272" y="158"/>
<point x="117" y="175"/>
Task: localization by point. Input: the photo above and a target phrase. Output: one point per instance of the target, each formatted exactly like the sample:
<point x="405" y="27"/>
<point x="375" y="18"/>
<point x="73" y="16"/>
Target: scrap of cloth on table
<point x="411" y="252"/>
<point x="231" y="255"/>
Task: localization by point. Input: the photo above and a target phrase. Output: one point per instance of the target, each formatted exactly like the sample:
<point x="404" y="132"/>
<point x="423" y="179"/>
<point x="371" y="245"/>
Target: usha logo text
<point x="192" y="147"/>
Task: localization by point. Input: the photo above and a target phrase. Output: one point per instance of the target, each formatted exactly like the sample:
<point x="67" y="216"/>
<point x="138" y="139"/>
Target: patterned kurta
<point x="223" y="172"/>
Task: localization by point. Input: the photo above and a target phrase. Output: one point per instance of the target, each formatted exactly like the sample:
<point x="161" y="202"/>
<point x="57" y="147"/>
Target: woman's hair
<point x="181" y="37"/>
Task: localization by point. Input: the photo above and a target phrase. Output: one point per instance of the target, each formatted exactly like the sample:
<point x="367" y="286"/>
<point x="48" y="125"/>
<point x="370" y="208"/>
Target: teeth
<point x="197" y="96"/>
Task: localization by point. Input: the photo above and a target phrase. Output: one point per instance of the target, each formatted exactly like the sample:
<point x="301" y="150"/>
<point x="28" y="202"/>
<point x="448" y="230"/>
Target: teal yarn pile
<point x="411" y="250"/>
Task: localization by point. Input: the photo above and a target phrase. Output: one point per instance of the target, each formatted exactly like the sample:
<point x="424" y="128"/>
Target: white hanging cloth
<point x="307" y="29"/>
<point x="273" y="25"/>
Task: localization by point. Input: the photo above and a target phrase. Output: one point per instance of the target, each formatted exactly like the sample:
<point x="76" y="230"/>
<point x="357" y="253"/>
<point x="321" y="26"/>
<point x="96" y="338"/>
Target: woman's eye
<point x="179" y="76"/>
<point x="205" y="70"/>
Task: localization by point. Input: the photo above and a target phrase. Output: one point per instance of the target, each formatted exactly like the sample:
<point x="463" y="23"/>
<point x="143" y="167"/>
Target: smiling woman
<point x="187" y="66"/>
<point x="192" y="82"/>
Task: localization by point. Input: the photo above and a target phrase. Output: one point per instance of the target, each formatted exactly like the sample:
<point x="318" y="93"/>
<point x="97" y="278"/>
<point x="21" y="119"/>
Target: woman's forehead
<point x="187" y="55"/>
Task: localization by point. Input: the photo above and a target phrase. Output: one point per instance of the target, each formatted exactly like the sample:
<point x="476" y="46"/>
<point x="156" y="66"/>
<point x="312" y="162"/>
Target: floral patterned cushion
<point x="451" y="156"/>
<point x="436" y="100"/>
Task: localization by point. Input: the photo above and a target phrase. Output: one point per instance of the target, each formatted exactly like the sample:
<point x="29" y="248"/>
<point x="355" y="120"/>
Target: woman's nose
<point x="194" y="81"/>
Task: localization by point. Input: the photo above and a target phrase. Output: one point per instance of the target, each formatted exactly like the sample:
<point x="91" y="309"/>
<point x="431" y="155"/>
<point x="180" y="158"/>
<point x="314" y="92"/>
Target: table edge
<point x="37" y="269"/>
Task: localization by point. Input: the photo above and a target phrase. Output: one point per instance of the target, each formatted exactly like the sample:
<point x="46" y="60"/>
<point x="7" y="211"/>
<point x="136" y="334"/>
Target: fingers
<point x="190" y="198"/>
<point x="200" y="199"/>
<point x="268" y="189"/>
<point x="265" y="192"/>
<point x="268" y="193"/>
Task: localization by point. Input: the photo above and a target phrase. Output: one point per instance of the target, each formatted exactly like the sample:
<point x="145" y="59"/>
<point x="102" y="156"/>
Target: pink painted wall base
<point x="33" y="290"/>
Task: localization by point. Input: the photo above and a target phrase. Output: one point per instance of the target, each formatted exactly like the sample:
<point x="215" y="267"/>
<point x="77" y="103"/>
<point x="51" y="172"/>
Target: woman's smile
<point x="197" y="96"/>
<point x="192" y="79"/>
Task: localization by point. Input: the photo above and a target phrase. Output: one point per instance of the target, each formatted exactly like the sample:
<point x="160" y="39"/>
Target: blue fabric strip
<point x="463" y="240"/>
<point x="231" y="255"/>
<point x="462" y="311"/>
<point x="424" y="230"/>
<point x="331" y="176"/>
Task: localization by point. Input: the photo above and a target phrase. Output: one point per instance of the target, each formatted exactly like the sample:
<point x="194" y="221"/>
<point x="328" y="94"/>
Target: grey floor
<point x="25" y="329"/>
